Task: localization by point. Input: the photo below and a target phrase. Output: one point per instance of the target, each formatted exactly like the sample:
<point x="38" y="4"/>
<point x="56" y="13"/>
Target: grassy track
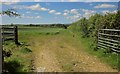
<point x="58" y="48"/>
<point x="55" y="49"/>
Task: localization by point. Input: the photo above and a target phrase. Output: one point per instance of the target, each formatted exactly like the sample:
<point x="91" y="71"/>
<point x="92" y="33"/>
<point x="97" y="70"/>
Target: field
<point x="56" y="50"/>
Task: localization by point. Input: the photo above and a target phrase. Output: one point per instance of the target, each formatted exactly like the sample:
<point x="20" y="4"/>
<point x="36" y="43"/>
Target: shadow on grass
<point x="26" y="50"/>
<point x="119" y="62"/>
<point x="12" y="67"/>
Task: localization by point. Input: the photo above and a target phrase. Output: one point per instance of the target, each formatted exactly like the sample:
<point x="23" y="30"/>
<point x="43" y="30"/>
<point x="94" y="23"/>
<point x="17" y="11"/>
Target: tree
<point x="84" y="27"/>
<point x="117" y="20"/>
<point x="10" y="12"/>
<point x="92" y="23"/>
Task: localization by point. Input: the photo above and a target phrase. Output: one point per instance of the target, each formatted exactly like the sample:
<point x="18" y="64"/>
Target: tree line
<point x="50" y="25"/>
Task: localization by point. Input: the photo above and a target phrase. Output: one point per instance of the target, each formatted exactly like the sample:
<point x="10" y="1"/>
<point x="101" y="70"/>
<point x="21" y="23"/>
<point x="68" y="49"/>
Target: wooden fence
<point x="10" y="33"/>
<point x="109" y="39"/>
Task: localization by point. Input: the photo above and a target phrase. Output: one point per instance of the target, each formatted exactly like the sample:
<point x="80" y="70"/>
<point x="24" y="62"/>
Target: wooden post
<point x="1" y="48"/>
<point x="98" y="38"/>
<point x="16" y="35"/>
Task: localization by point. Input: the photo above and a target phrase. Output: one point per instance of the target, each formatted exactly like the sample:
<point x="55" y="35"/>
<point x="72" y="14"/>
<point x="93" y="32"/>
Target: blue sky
<point x="55" y="12"/>
<point x="59" y="0"/>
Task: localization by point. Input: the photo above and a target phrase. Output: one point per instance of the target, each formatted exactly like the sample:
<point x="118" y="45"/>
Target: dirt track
<point x="51" y="54"/>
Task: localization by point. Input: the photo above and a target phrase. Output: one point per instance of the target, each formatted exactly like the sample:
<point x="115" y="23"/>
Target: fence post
<point x="1" y="48"/>
<point x="16" y="35"/>
<point x="98" y="38"/>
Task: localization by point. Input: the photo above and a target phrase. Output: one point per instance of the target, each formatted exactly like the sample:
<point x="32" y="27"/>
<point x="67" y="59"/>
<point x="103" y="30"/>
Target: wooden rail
<point x="108" y="39"/>
<point x="10" y="33"/>
<point x="1" y="48"/>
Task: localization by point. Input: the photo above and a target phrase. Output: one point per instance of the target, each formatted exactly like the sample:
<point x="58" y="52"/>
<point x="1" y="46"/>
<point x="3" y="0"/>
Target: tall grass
<point x="109" y="58"/>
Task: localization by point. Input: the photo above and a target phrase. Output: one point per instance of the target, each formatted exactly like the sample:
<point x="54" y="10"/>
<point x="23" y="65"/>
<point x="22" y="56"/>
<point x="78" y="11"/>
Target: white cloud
<point x="88" y="13"/>
<point x="37" y="7"/>
<point x="97" y="0"/>
<point x="38" y="17"/>
<point x="28" y="12"/>
<point x="73" y="14"/>
<point x="23" y="16"/>
<point x="65" y="14"/>
<point x="101" y="1"/>
<point x="89" y="0"/>
<point x="62" y="0"/>
<point x="77" y="16"/>
<point x="9" y="3"/>
<point x="70" y="0"/>
<point x="19" y="7"/>
<point x="74" y="11"/>
<point x="73" y="0"/>
<point x="52" y="11"/>
<point x="34" y="7"/>
<point x="107" y="11"/>
<point x="115" y="11"/>
<point x="44" y="9"/>
<point x="37" y="0"/>
<point x="105" y="6"/>
<point x="29" y="17"/>
<point x="66" y="11"/>
<point x="57" y="13"/>
<point x="74" y="17"/>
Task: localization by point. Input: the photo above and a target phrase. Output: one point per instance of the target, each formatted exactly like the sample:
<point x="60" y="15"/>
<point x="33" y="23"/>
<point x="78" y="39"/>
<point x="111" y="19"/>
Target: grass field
<point x="56" y="49"/>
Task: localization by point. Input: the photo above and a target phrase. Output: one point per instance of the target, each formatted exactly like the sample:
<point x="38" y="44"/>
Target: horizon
<point x="36" y="24"/>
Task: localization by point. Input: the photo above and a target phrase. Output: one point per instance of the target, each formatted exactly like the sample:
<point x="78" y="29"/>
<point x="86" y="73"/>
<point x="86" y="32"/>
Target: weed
<point x="26" y="50"/>
<point x="57" y="33"/>
<point x="47" y="33"/>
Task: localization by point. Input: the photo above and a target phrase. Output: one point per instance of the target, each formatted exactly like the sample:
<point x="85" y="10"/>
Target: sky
<point x="55" y="12"/>
<point x="59" y="0"/>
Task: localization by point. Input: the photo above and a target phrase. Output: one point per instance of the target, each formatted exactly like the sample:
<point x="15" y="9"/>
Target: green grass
<point x="26" y="50"/>
<point x="108" y="58"/>
<point x="20" y="59"/>
<point x="25" y="35"/>
<point x="39" y="30"/>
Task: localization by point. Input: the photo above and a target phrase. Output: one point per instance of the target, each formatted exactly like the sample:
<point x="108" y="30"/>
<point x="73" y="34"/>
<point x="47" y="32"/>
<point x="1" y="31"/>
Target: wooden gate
<point x="109" y="39"/>
<point x="7" y="33"/>
<point x="10" y="33"/>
